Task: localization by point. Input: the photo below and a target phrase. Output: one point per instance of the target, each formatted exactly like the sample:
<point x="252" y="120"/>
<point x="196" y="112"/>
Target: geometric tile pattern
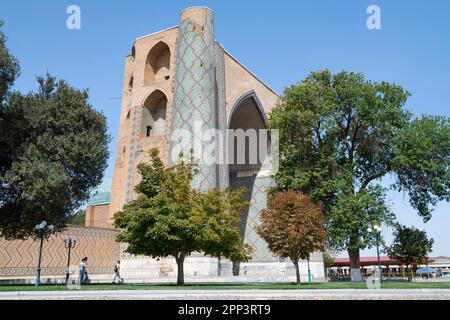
<point x="195" y="91"/>
<point x="20" y="257"/>
<point x="100" y="194"/>
<point x="223" y="173"/>
<point x="135" y="151"/>
<point x="257" y="188"/>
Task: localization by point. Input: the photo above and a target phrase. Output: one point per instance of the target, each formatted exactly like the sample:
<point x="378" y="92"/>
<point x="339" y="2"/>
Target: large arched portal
<point x="246" y="155"/>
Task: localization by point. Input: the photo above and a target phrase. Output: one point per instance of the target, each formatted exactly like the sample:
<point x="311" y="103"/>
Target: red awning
<point x="369" y="261"/>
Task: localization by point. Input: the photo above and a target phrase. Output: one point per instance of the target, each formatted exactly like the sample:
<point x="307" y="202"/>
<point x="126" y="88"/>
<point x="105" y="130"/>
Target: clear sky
<point x="280" y="41"/>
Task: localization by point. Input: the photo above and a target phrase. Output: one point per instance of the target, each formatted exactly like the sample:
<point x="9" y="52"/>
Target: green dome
<point x="101" y="194"/>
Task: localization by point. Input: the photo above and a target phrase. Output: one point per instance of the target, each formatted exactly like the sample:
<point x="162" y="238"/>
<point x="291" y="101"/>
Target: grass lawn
<point x="233" y="286"/>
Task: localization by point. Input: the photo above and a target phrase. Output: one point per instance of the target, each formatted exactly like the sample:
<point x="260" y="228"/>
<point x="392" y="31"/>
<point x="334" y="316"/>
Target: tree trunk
<point x="355" y="267"/>
<point x="180" y="264"/>
<point x="236" y="267"/>
<point x="409" y="272"/>
<point x="297" y="271"/>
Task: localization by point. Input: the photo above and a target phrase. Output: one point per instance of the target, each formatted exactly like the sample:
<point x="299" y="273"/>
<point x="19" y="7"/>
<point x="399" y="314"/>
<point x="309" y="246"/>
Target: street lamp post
<point x="377" y="229"/>
<point x="309" y="272"/>
<point x="69" y="243"/>
<point x="43" y="231"/>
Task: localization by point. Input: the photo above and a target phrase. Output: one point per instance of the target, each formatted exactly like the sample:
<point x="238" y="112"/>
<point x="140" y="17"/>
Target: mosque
<point x="175" y="79"/>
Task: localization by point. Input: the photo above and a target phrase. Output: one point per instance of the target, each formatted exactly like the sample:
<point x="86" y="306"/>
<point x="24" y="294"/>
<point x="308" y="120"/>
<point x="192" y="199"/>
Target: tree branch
<point x="369" y="179"/>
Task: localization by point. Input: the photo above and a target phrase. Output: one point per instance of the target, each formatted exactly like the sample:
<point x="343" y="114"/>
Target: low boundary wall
<point x="19" y="258"/>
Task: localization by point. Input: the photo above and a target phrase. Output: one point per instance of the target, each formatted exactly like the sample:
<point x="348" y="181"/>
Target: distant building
<point x="98" y="206"/>
<point x="391" y="268"/>
<point x="441" y="263"/>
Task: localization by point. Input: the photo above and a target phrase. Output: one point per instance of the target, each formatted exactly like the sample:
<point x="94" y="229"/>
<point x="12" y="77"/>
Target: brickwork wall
<point x="98" y="216"/>
<point x="20" y="257"/>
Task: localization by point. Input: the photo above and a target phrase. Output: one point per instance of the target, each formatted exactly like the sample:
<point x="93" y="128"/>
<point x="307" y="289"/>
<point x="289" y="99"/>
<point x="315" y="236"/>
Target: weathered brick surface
<point x="20" y="257"/>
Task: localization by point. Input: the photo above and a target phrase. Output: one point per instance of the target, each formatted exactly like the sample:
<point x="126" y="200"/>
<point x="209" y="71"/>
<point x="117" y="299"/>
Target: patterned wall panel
<point x="135" y="151"/>
<point x="20" y="257"/>
<point x="195" y="86"/>
<point x="257" y="188"/>
<point x="222" y="167"/>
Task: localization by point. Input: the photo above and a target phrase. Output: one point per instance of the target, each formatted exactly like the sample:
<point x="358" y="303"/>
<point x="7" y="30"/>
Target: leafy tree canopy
<point x="9" y="67"/>
<point x="328" y="259"/>
<point x="410" y="245"/>
<point x="293" y="226"/>
<point x="170" y="218"/>
<point x="54" y="150"/>
<point x="78" y="219"/>
<point x="341" y="134"/>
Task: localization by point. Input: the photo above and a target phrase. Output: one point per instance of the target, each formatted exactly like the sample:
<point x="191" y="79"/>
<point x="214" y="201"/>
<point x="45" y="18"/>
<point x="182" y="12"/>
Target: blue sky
<point x="280" y="41"/>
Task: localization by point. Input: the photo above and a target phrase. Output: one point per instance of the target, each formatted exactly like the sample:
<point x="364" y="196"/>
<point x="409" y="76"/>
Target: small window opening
<point x="149" y="130"/>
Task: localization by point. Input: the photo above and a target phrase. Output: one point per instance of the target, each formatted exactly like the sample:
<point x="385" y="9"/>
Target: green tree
<point x="9" y="68"/>
<point x="410" y="246"/>
<point x="328" y="261"/>
<point x="9" y="71"/>
<point x="170" y="218"/>
<point x="78" y="219"/>
<point x="54" y="150"/>
<point x="340" y="135"/>
<point x="293" y="226"/>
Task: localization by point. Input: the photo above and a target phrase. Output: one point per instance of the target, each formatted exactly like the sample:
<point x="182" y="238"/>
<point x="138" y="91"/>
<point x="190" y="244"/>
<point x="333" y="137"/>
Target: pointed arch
<point x="133" y="52"/>
<point x="131" y="83"/>
<point x="154" y="110"/>
<point x="254" y="98"/>
<point x="245" y="170"/>
<point x="248" y="117"/>
<point x="157" y="64"/>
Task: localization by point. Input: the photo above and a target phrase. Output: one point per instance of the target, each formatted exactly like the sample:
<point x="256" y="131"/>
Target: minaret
<point x="194" y="105"/>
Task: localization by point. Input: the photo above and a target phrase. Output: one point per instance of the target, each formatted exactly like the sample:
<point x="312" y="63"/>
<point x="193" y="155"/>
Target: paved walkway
<point x="337" y="294"/>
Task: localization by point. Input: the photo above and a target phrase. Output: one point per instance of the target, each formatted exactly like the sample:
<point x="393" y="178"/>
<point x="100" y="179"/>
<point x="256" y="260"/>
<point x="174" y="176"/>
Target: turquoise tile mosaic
<point x="257" y="188"/>
<point x="195" y="90"/>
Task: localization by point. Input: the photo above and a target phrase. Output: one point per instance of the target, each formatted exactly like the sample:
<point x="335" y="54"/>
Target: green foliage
<point x="355" y="213"/>
<point x="410" y="245"/>
<point x="328" y="259"/>
<point x="9" y="68"/>
<point x="54" y="150"/>
<point x="78" y="219"/>
<point x="293" y="226"/>
<point x="152" y="176"/>
<point x="422" y="162"/>
<point x="9" y="71"/>
<point x="340" y="134"/>
<point x="169" y="218"/>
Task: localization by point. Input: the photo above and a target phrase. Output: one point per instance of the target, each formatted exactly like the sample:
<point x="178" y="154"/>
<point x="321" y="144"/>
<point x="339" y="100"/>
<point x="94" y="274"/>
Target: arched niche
<point x="157" y="65"/>
<point x="154" y="114"/>
<point x="133" y="53"/>
<point x="130" y="83"/>
<point x="248" y="116"/>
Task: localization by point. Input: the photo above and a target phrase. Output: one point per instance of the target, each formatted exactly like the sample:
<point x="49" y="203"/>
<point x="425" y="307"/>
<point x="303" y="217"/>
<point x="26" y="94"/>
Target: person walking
<point x="83" y="278"/>
<point x="117" y="277"/>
